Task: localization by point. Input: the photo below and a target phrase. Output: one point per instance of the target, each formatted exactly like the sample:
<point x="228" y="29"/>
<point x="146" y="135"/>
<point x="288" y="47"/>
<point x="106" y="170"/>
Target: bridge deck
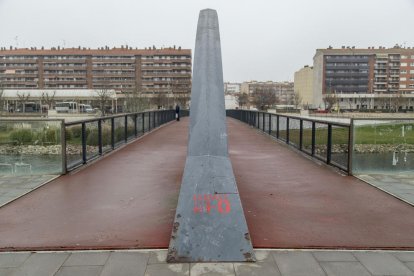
<point x="128" y="200"/>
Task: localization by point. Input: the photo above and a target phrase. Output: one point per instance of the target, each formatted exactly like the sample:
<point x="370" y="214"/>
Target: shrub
<point x="22" y="136"/>
<point x="68" y="135"/>
<point x="47" y="136"/>
<point x="92" y="137"/>
<point x="76" y="131"/>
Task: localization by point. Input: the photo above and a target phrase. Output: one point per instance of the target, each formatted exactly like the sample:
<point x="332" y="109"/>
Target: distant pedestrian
<point x="177" y="112"/>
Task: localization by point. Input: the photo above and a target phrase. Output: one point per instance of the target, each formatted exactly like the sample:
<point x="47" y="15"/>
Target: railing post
<point x="287" y="130"/>
<point x="277" y="126"/>
<point x="143" y="122"/>
<point x="126" y="128"/>
<point x="270" y="124"/>
<point x="350" y="145"/>
<point x="63" y="145"/>
<point x="329" y="145"/>
<point x="263" y="121"/>
<point x="313" y="137"/>
<point x="135" y="125"/>
<point x="100" y="136"/>
<point x="301" y="135"/>
<point x="149" y="120"/>
<point x="256" y="120"/>
<point x="83" y="143"/>
<point x="113" y="132"/>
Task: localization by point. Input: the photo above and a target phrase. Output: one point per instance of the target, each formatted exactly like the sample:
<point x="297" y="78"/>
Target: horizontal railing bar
<point x="110" y="117"/>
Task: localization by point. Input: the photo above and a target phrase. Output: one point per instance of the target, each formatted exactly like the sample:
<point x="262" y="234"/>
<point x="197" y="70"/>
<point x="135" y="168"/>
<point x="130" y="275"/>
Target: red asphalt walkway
<point x="128" y="200"/>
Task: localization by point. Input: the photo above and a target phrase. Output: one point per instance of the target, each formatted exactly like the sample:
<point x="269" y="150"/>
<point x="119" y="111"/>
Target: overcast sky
<point x="261" y="39"/>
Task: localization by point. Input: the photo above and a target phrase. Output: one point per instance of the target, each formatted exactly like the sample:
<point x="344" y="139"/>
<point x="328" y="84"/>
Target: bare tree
<point x="396" y="101"/>
<point x="380" y="102"/>
<point x="362" y="102"/>
<point x="48" y="98"/>
<point x="159" y="99"/>
<point x="136" y="101"/>
<point x="242" y="99"/>
<point x="103" y="97"/>
<point x="182" y="101"/>
<point x="264" y="98"/>
<point x="330" y="100"/>
<point x="2" y="101"/>
<point x="23" y="99"/>
<point x="297" y="100"/>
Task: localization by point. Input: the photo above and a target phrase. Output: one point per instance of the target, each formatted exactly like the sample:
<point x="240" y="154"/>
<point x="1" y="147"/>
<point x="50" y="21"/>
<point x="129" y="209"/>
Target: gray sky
<point x="261" y="39"/>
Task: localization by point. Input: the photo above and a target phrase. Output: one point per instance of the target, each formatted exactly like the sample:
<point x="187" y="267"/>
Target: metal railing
<point x="330" y="142"/>
<point x="87" y="140"/>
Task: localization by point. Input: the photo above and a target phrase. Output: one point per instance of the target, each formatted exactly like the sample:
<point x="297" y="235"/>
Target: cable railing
<point x="330" y="142"/>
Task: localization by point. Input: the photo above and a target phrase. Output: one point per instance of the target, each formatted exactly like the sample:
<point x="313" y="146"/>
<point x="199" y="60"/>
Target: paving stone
<point x="334" y="256"/>
<point x="410" y="265"/>
<point x="256" y="269"/>
<point x="344" y="268"/>
<point x="381" y="263"/>
<point x="79" y="271"/>
<point x="404" y="256"/>
<point x="13" y="259"/>
<point x="9" y="271"/>
<point x="4" y="200"/>
<point x="297" y="263"/>
<point x="87" y="258"/>
<point x="125" y="263"/>
<point x="264" y="256"/>
<point x="17" y="192"/>
<point x="167" y="269"/>
<point x="212" y="269"/>
<point x="42" y="264"/>
<point x="158" y="257"/>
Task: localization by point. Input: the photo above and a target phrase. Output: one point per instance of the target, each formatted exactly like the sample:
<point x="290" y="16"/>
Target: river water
<point x="365" y="163"/>
<point x="31" y="164"/>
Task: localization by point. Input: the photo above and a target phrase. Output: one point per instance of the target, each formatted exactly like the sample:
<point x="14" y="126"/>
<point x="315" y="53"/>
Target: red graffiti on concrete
<point x="206" y="203"/>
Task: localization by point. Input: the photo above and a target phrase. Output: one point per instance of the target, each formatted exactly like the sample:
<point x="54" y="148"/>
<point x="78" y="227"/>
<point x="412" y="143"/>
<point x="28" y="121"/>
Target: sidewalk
<point x="15" y="186"/>
<point x="145" y="262"/>
<point x="400" y="185"/>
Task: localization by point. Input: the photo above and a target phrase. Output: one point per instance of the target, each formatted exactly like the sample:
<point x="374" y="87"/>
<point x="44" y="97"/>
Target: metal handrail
<point x="258" y="120"/>
<point x="149" y="121"/>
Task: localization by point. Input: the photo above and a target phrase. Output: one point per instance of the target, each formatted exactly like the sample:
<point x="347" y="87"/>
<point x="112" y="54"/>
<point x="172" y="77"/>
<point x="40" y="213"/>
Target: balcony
<point x="346" y="74"/>
<point x="345" y="67"/>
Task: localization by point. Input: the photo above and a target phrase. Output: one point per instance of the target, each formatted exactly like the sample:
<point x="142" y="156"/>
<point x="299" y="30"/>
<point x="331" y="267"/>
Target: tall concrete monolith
<point x="209" y="224"/>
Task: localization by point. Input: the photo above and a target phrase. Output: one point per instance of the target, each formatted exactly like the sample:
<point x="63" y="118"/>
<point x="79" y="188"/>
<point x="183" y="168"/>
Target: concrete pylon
<point x="209" y="223"/>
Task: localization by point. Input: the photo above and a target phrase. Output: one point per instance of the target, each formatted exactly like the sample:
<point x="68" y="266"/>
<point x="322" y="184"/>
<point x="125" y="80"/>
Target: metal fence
<point x="330" y="142"/>
<point x="89" y="139"/>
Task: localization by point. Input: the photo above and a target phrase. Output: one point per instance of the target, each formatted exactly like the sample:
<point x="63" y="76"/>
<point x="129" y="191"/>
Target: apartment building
<point x="284" y="90"/>
<point x="303" y="86"/>
<point x="152" y="71"/>
<point x="365" y="78"/>
<point x="232" y="88"/>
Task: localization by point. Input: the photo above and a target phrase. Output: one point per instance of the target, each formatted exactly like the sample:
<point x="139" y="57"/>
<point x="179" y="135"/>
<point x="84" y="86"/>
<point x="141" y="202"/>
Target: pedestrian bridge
<point x="128" y="199"/>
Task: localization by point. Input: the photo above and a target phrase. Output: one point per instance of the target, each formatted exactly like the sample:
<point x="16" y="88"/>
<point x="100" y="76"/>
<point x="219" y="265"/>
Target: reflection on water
<point x="382" y="162"/>
<point x="31" y="164"/>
